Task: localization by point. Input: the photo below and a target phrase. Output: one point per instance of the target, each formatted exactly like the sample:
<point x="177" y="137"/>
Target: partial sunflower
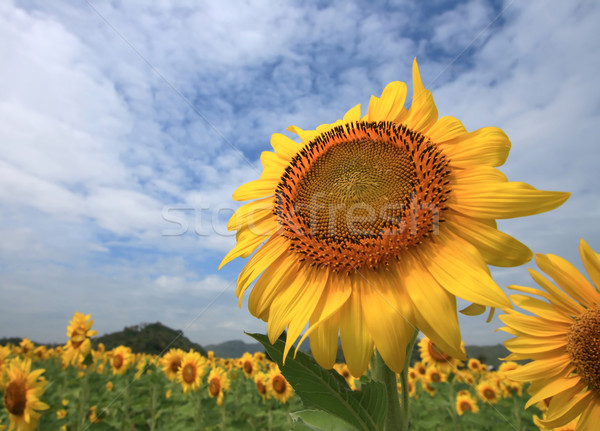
<point x="79" y="332"/>
<point x="260" y="380"/>
<point x="121" y="359"/>
<point x="248" y="365"/>
<point x="171" y="362"/>
<point x="488" y="391"/>
<point x="466" y="403"/>
<point x="432" y="356"/>
<point x="561" y="338"/>
<point x="191" y="371"/>
<point x="218" y="383"/>
<point x="22" y="395"/>
<point x="374" y="225"/>
<point x="279" y="387"/>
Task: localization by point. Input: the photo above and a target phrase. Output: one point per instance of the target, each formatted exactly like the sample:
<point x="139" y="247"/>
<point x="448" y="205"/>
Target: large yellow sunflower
<point x="374" y="224"/>
<point x="171" y="362"/>
<point x="191" y="371"/>
<point x="562" y="337"/>
<point x="79" y="332"/>
<point x="22" y="393"/>
<point x="432" y="356"/>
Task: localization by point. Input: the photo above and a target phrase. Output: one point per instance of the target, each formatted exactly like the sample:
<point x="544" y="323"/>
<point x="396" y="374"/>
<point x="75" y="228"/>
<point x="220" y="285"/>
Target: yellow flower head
<point x="191" y="371"/>
<point x="218" y="383"/>
<point x="346" y="374"/>
<point x="260" y="380"/>
<point x="279" y="387"/>
<point x="121" y="359"/>
<point x="355" y="245"/>
<point x="79" y="332"/>
<point x="22" y="395"/>
<point x="474" y="365"/>
<point x="488" y="391"/>
<point x="432" y="356"/>
<point x="465" y="402"/>
<point x="435" y="375"/>
<point x="561" y="338"/>
<point x="248" y="364"/>
<point x="171" y="362"/>
<point x="26" y="347"/>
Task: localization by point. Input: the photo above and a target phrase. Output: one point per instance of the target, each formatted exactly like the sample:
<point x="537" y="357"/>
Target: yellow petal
<point x="256" y="189"/>
<point x="287" y="295"/>
<point x="305" y="135"/>
<point x="565" y="407"/>
<point x="504" y="200"/>
<point x="445" y="129"/>
<point x="557" y="296"/>
<point x="591" y="415"/>
<point x="335" y="295"/>
<point x="356" y="340"/>
<point x="568" y="278"/>
<point x="353" y="114"/>
<point x="553" y="388"/>
<point x="435" y="308"/>
<point x="542" y="369"/>
<point x="284" y="146"/>
<point x="265" y="256"/>
<point x="537" y="326"/>
<point x="496" y="247"/>
<point x="530" y="343"/>
<point x="488" y="146"/>
<point x="324" y="341"/>
<point x="459" y="268"/>
<point x="473" y="310"/>
<point x="244" y="247"/>
<point x="541" y="308"/>
<point x="423" y="112"/>
<point x="276" y="277"/>
<point x="391" y="103"/>
<point x="389" y="318"/>
<point x="250" y="211"/>
<point x="591" y="261"/>
<point x="273" y="165"/>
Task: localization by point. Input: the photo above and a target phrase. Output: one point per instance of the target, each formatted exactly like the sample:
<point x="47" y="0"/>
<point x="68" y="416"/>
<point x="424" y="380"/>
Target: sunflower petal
<point x="591" y="261"/>
<point x="389" y="318"/>
<point x="445" y="129"/>
<point x="390" y="104"/>
<point x="353" y="114"/>
<point x="423" y="112"/>
<point x="566" y="406"/>
<point x="505" y="200"/>
<point x="324" y="341"/>
<point x="256" y="189"/>
<point x="488" y="146"/>
<point x="553" y="388"/>
<point x="357" y="343"/>
<point x="284" y="146"/>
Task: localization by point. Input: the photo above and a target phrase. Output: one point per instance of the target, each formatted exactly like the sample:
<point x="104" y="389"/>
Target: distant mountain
<point x="152" y="338"/>
<point x="234" y="349"/>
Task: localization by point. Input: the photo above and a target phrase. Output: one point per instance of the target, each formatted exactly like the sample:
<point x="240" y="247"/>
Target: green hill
<point x="152" y="338"/>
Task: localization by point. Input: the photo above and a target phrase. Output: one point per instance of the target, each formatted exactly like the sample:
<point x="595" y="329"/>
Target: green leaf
<point x="318" y="420"/>
<point x="327" y="390"/>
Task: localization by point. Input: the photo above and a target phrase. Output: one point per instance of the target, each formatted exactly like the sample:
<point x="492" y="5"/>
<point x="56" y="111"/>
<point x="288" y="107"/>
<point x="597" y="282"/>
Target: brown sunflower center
<point x="15" y="397"/>
<point x="466" y="406"/>
<point x="436" y="354"/>
<point x="248" y="367"/>
<point x="279" y="384"/>
<point x="358" y="195"/>
<point x="175" y="364"/>
<point x="583" y="347"/>
<point x="489" y="394"/>
<point x="188" y="373"/>
<point x="118" y="361"/>
<point x="261" y="388"/>
<point x="78" y="337"/>
<point x="214" y="386"/>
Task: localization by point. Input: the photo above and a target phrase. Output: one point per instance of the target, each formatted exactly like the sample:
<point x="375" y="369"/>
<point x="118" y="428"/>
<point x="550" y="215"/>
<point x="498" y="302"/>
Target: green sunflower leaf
<point x="328" y="391"/>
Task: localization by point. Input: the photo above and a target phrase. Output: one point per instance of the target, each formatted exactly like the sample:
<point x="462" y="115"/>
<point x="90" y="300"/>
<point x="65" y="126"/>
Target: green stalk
<point x="404" y="381"/>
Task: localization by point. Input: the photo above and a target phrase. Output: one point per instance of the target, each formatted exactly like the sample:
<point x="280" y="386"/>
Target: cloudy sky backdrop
<point x="125" y="127"/>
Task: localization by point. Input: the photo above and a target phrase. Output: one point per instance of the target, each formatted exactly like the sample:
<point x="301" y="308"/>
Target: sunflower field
<point x="76" y="387"/>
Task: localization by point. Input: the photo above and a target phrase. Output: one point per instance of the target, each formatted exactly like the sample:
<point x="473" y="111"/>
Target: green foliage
<point x="151" y="338"/>
<point x="328" y="391"/>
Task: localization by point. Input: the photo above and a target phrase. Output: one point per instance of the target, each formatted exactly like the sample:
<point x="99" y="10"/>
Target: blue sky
<point x="118" y="119"/>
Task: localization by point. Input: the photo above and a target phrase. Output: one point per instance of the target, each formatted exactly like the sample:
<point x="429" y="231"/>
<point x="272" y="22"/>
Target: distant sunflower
<point x="218" y="383"/>
<point x="22" y="395"/>
<point x="434" y="375"/>
<point x="561" y="337"/>
<point x="432" y="356"/>
<point x="260" y="380"/>
<point x="79" y="332"/>
<point x="474" y="365"/>
<point x="120" y="359"/>
<point x="488" y="391"/>
<point x="26" y="347"/>
<point x="248" y="365"/>
<point x="466" y="403"/>
<point x="345" y="372"/>
<point x="279" y="387"/>
<point x="355" y="244"/>
<point x="171" y="362"/>
<point x="191" y="371"/>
